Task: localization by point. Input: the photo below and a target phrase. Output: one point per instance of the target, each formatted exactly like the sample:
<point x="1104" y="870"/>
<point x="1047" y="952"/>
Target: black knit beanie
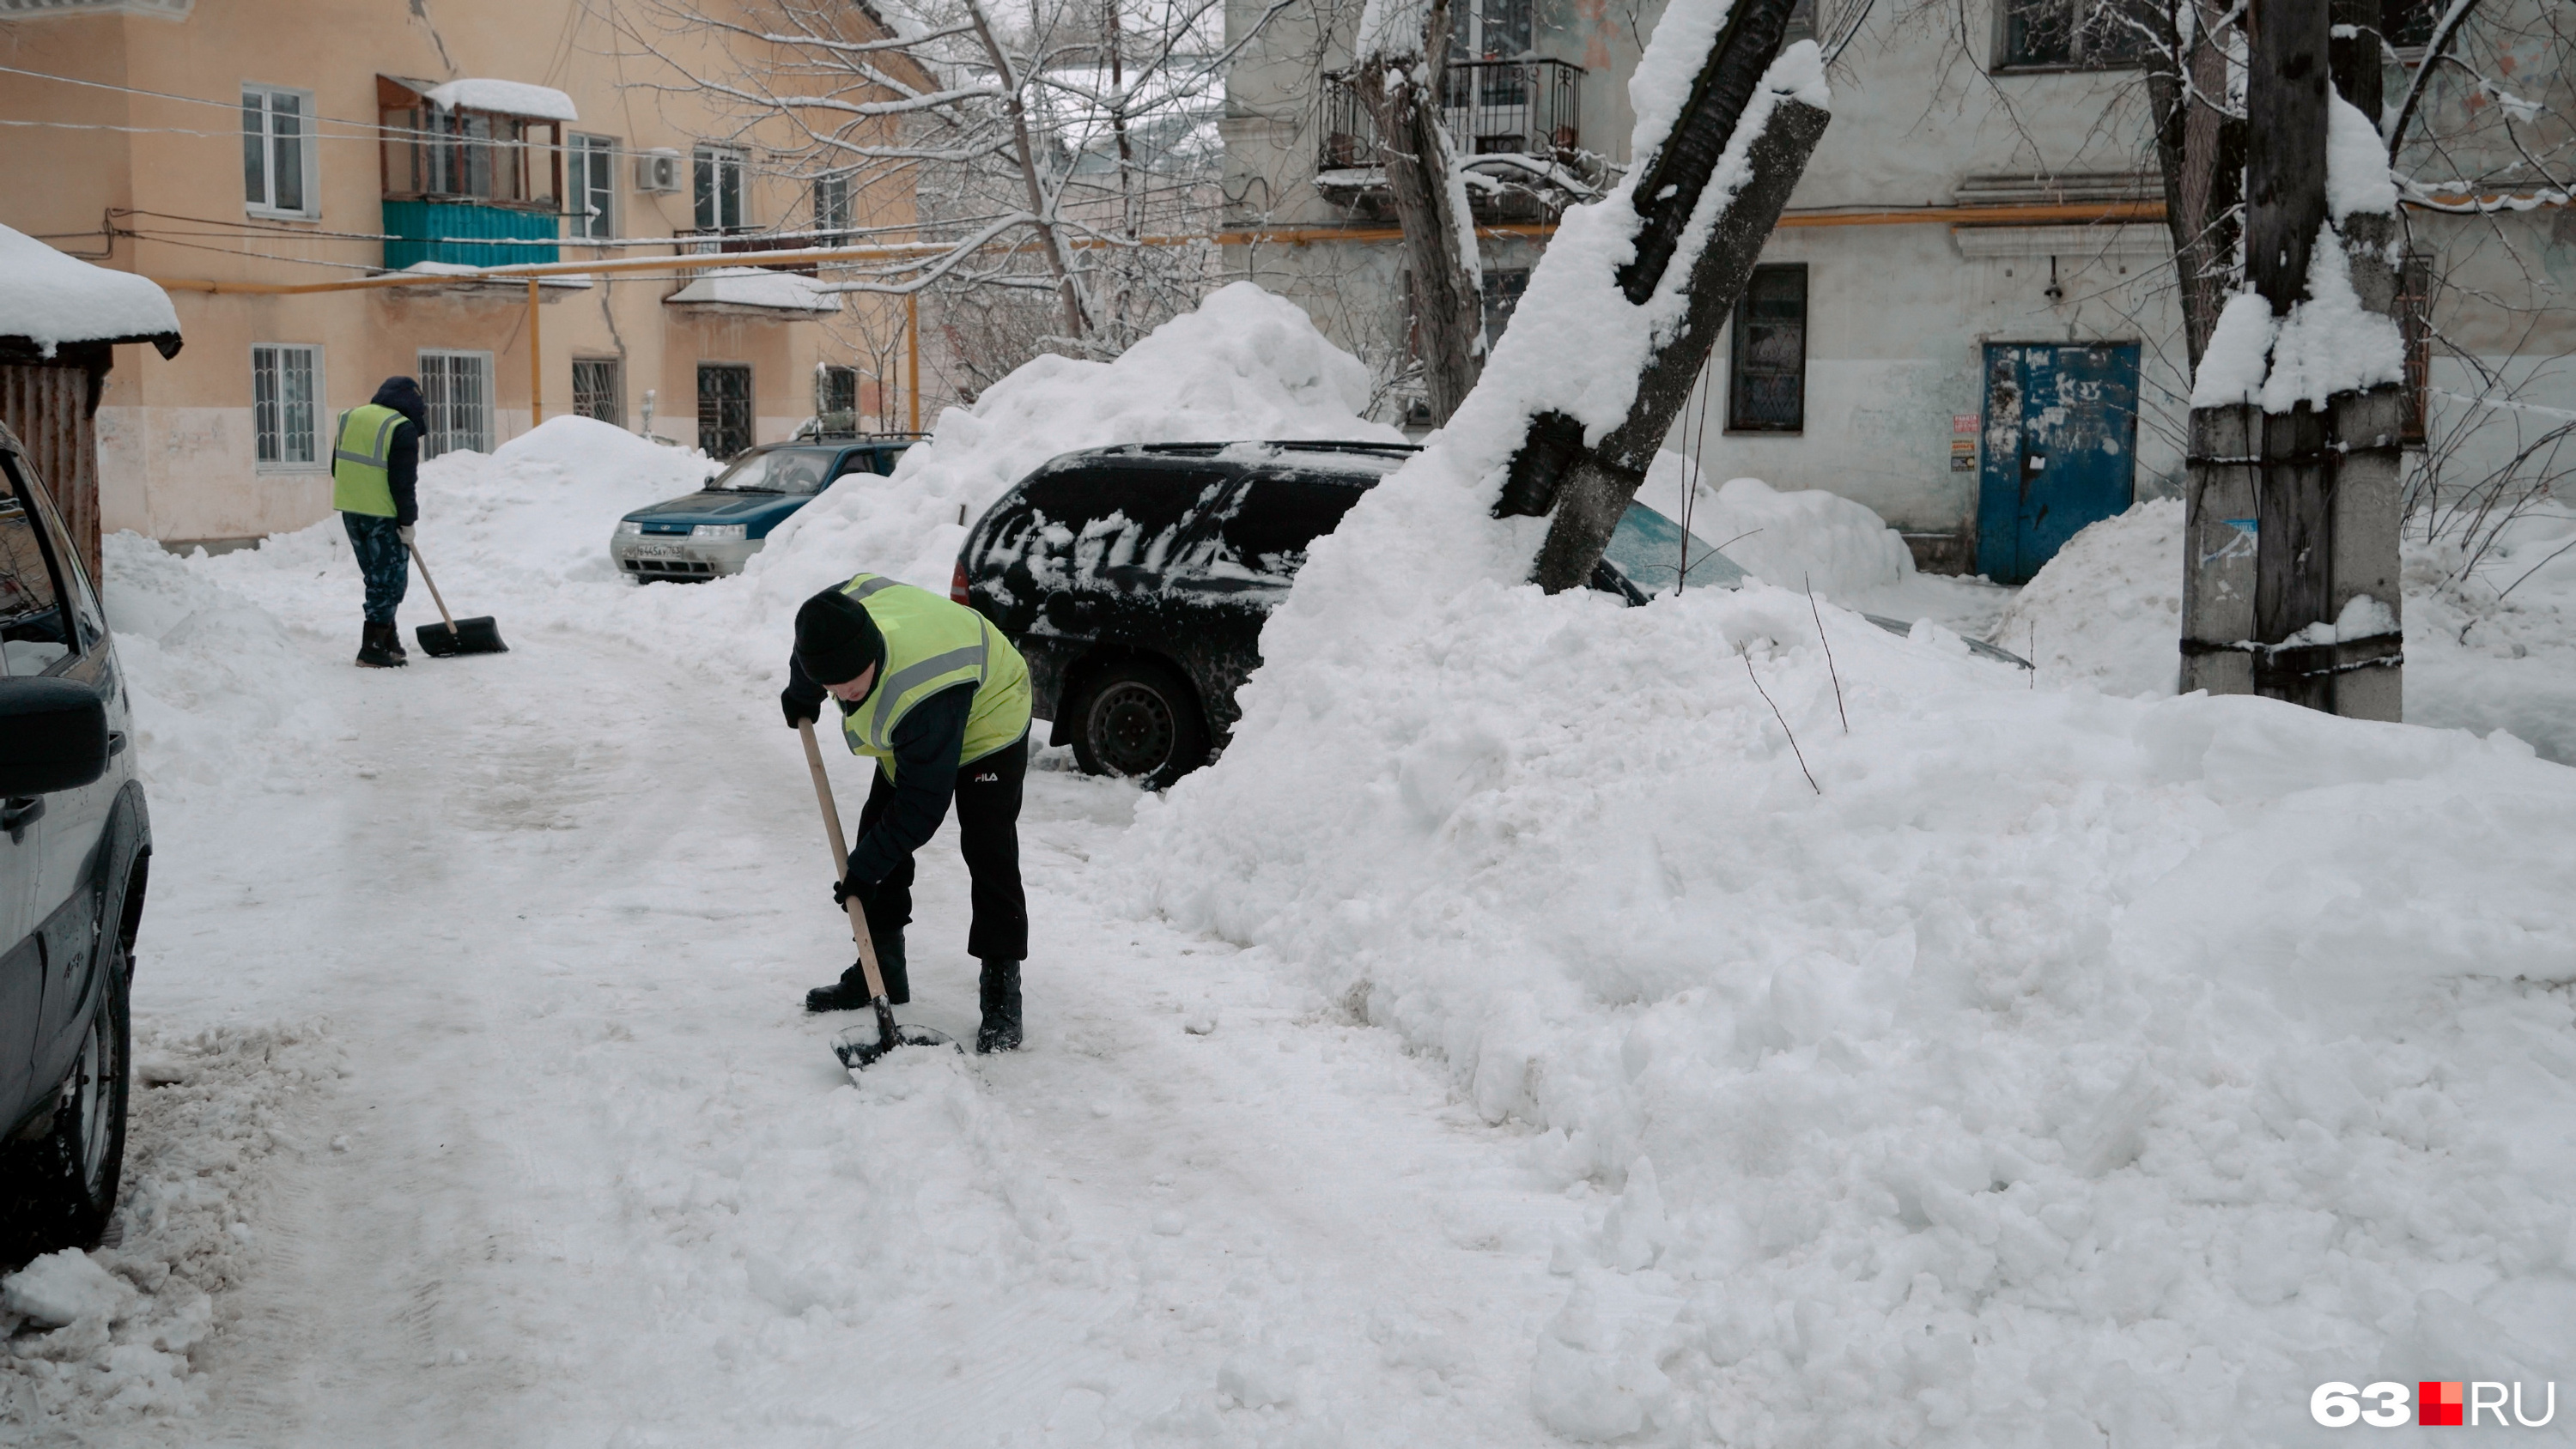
<point x="836" y="641"/>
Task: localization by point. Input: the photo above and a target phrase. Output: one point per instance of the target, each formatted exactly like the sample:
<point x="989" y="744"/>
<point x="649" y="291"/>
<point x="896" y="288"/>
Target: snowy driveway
<point x="593" y="1178"/>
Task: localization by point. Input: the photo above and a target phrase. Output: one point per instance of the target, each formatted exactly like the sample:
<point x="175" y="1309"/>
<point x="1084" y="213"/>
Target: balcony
<point x="1515" y="124"/>
<point x="465" y="233"/>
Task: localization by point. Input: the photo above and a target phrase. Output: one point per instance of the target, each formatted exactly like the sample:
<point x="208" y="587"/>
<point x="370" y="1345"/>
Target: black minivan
<point x="74" y="846"/>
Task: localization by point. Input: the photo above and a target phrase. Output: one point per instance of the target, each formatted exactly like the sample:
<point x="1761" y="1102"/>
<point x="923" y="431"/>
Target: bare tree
<point x="1399" y="73"/>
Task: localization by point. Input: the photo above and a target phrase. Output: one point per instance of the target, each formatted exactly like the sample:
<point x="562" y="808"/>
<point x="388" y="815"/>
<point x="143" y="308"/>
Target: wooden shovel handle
<point x="841" y="859"/>
<point x="433" y="591"/>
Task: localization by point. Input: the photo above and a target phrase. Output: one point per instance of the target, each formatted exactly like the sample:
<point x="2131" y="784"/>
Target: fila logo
<point x="2435" y="1404"/>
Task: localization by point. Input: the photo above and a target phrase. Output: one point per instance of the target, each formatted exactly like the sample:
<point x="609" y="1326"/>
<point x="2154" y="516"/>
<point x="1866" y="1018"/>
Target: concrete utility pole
<point x="1587" y="488"/>
<point x="2294" y="514"/>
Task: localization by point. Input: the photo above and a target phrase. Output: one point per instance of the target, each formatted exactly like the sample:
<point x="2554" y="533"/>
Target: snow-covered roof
<point x="51" y="299"/>
<point x="510" y="98"/>
<point x="756" y="289"/>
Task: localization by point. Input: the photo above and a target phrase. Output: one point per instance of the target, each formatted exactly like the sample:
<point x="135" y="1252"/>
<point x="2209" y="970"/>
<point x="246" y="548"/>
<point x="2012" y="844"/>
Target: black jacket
<point x="927" y="743"/>
<point x="402" y="463"/>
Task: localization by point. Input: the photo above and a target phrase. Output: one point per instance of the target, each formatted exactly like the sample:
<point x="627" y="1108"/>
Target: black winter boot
<point x="850" y="993"/>
<point x="378" y="649"/>
<point x="1000" y="990"/>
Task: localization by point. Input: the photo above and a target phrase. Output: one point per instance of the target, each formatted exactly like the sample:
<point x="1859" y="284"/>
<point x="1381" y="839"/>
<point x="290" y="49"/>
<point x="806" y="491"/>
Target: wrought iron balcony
<point x="1522" y="114"/>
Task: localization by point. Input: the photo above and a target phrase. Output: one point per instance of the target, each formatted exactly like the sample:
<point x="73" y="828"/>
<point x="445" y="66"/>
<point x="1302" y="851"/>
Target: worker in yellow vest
<point x="375" y="469"/>
<point x="940" y="700"/>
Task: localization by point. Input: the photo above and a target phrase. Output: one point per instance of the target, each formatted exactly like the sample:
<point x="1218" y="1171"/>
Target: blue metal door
<point x="2060" y="449"/>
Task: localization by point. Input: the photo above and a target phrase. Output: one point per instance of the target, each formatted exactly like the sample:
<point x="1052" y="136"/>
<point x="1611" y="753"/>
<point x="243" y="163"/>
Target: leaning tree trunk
<point x="1402" y="94"/>
<point x="2200" y="156"/>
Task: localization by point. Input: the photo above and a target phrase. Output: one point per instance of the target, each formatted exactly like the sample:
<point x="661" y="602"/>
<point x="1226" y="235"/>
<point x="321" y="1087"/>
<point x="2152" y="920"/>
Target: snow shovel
<point x="461" y="636"/>
<point x="860" y="1047"/>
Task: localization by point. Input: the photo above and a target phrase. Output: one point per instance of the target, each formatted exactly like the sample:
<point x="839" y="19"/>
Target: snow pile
<point x="49" y="298"/>
<point x="1245" y="365"/>
<point x="96" y="1340"/>
<point x="2357" y="174"/>
<point x="510" y="98"/>
<point x="2106" y="612"/>
<point x="1802" y="539"/>
<point x="757" y="287"/>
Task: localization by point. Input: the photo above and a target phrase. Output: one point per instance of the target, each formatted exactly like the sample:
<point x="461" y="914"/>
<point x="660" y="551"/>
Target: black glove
<point x="846" y="890"/>
<point x="799" y="707"/>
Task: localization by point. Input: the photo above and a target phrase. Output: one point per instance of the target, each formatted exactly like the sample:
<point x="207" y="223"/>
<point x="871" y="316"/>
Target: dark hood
<point x="402" y="394"/>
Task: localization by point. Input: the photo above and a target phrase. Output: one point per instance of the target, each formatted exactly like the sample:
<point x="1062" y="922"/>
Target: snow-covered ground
<point x="1503" y="1044"/>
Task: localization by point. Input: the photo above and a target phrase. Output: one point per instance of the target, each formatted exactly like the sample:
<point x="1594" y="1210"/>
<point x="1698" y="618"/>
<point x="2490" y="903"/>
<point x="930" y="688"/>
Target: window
<point x="2078" y="33"/>
<point x="598" y="390"/>
<point x="717" y="181"/>
<point x="278" y="157"/>
<point x="590" y="192"/>
<point x="433" y="153"/>
<point x="724" y="409"/>
<point x="1766" y="389"/>
<point x="1273" y="519"/>
<point x="832" y="202"/>
<point x="458" y="387"/>
<point x="35" y="634"/>
<point x="836" y="398"/>
<point x="2415" y="325"/>
<point x="286" y="405"/>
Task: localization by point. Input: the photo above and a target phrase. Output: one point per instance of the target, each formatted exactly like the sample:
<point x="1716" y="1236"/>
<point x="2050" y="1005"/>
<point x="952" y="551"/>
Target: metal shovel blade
<point x="470" y="636"/>
<point x="861" y="1047"/>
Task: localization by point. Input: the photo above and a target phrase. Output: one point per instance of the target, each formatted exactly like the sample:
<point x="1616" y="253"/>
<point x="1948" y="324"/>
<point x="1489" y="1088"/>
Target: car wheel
<point x="69" y="1177"/>
<point x="1140" y="720"/>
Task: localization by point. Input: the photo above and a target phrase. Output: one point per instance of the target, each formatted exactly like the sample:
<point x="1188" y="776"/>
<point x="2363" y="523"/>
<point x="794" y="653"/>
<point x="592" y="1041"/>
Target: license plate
<point x="657" y="550"/>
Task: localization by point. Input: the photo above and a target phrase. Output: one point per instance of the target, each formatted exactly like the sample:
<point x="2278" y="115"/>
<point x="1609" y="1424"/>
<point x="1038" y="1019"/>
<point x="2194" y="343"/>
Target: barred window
<point x="286" y="405"/>
<point x="1766" y="388"/>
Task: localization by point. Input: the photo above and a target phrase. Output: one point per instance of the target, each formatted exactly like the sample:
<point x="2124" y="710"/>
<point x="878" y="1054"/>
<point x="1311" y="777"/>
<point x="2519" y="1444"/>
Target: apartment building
<point x="234" y="150"/>
<point x="1980" y="229"/>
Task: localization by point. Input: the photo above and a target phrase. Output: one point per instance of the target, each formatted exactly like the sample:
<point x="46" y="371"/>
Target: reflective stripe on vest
<point x="932" y="644"/>
<point x="361" y="461"/>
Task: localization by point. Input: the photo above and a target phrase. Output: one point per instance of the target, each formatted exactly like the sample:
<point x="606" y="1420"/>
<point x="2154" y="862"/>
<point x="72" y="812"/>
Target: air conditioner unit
<point x="657" y="170"/>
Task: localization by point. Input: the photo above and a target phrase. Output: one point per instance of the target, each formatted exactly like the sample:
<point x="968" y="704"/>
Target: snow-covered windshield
<point x="780" y="470"/>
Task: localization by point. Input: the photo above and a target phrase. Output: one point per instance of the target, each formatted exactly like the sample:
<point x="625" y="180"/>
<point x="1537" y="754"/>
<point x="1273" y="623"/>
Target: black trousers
<point x="988" y="835"/>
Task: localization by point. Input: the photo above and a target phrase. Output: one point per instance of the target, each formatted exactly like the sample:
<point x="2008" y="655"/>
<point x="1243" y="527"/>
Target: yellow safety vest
<point x="933" y="644"/>
<point x="361" y="473"/>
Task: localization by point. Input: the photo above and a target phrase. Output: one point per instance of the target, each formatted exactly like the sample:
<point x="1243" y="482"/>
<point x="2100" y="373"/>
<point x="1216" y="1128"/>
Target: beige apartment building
<point x="231" y="148"/>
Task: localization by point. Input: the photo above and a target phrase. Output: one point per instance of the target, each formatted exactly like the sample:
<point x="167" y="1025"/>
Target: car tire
<point x="67" y="1179"/>
<point x="1139" y="720"/>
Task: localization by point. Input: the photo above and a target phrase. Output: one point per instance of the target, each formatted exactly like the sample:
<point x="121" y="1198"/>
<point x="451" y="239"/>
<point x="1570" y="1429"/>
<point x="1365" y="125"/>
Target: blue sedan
<point x="716" y="529"/>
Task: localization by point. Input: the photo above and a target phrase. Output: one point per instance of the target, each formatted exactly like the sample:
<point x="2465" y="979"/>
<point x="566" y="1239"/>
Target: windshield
<point x="1648" y="548"/>
<point x="779" y="470"/>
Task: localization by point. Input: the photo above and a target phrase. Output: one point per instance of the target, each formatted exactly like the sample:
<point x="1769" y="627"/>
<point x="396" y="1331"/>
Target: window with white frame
<point x="279" y="160"/>
<point x="717" y="174"/>
<point x="590" y="189"/>
<point x="286" y="405"/>
<point x="458" y="388"/>
<point x="832" y="202"/>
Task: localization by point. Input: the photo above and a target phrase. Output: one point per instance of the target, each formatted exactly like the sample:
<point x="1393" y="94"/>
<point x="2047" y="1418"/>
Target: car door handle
<point x="20" y="812"/>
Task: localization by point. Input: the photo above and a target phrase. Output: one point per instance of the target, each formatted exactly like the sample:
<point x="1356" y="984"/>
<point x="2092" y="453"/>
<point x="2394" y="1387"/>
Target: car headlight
<point x="629" y="528"/>
<point x="716" y="532"/>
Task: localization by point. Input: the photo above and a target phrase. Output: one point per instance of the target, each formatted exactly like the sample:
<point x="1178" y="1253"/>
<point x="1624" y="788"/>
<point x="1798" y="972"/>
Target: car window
<point x="1093" y="522"/>
<point x="780" y="470"/>
<point x="34" y="628"/>
<point x="1648" y="548"/>
<point x="1269" y="522"/>
<point x="86" y="613"/>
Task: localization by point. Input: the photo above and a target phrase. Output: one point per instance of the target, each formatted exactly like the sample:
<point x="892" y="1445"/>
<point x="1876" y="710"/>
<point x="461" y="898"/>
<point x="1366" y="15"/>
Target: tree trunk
<point x="1402" y="94"/>
<point x="2200" y="156"/>
<point x="1041" y="211"/>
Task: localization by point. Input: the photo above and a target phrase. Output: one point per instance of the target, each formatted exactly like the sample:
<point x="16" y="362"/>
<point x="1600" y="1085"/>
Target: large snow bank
<point x="1798" y="539"/>
<point x="50" y="299"/>
<point x="2106" y="612"/>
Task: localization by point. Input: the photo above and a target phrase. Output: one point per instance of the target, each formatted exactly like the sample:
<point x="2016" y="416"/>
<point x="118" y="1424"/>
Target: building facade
<point x="235" y="149"/>
<point x="1967" y="319"/>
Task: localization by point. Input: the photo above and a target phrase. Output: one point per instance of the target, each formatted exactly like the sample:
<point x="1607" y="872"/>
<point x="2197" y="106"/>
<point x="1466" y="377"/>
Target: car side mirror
<point x="53" y="735"/>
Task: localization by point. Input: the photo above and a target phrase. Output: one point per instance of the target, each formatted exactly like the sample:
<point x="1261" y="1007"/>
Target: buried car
<point x="715" y="530"/>
<point x="1135" y="581"/>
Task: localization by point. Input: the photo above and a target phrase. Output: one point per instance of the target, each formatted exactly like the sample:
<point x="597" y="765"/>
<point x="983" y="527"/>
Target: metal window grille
<point x="273" y="148"/>
<point x="285" y="405"/>
<point x="716" y="175"/>
<point x="724" y="409"/>
<point x="836" y="397"/>
<point x="458" y="389"/>
<point x="1767" y="363"/>
<point x="2075" y="33"/>
<point x="1491" y="107"/>
<point x="590" y="187"/>
<point x="598" y="390"/>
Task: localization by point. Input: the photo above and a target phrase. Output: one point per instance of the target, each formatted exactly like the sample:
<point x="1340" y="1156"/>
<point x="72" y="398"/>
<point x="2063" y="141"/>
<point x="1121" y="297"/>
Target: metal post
<point x="536" y="362"/>
<point x="912" y="356"/>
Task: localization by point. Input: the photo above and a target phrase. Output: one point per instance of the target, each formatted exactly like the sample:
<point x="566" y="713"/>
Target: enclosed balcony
<point x="1516" y="126"/>
<point x="467" y="182"/>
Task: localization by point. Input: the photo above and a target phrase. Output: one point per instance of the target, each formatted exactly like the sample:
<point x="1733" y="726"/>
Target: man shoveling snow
<point x="940" y="700"/>
<point x="375" y="468"/>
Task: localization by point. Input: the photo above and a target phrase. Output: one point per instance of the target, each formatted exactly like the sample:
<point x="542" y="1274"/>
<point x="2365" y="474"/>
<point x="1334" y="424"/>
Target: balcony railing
<point x="1492" y="108"/>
